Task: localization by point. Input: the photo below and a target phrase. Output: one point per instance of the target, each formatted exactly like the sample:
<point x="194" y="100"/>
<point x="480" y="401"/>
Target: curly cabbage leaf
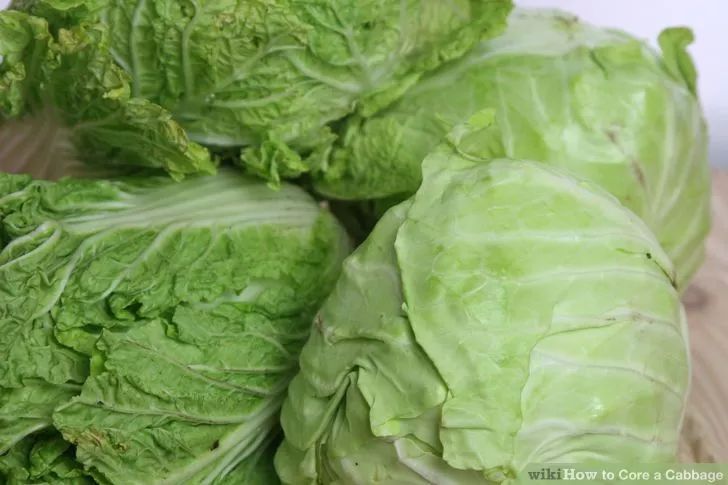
<point x="156" y="324"/>
<point x="26" y="407"/>
<point x="267" y="77"/>
<point x="594" y="101"/>
<point x="63" y="99"/>
<point x="485" y="325"/>
<point x="42" y="459"/>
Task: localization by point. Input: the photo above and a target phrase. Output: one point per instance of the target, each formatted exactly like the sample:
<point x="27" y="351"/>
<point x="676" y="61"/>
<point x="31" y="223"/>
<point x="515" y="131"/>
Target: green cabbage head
<point x="508" y="314"/>
<point x="597" y="102"/>
<point x="151" y="82"/>
<point x="154" y="325"/>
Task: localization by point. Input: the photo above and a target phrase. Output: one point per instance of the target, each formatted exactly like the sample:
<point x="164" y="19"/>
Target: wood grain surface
<point x="705" y="433"/>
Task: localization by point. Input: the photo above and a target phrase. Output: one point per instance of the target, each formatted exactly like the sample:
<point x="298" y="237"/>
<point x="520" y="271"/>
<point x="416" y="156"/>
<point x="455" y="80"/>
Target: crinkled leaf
<point x="42" y="459"/>
<point x="60" y="13"/>
<point x="37" y="373"/>
<point x="271" y="76"/>
<point x="190" y="300"/>
<point x="27" y="409"/>
<point x="182" y="411"/>
<point x="69" y="79"/>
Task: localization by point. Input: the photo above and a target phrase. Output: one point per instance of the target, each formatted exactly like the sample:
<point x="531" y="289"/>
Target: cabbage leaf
<point x="42" y="459"/>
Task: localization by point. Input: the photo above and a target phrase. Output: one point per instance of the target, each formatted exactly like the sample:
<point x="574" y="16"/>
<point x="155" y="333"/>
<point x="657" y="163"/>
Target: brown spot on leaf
<point x="121" y="447"/>
<point x="612" y="135"/>
<point x="567" y="21"/>
<point x="637" y="168"/>
<point x="95" y="438"/>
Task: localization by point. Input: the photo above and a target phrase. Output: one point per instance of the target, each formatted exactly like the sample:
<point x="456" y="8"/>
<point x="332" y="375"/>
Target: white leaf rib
<point x="603" y="321"/>
<point x="251" y="390"/>
<point x="676" y="192"/>
<point x="159" y="239"/>
<point x="668" y="154"/>
<point x="134" y="31"/>
<point x="348" y="88"/>
<point x="576" y="432"/>
<point x="550" y="360"/>
<point x="50" y="241"/>
<point x="67" y="272"/>
<point x="164" y="413"/>
<point x="551" y="276"/>
<point x="246" y="433"/>
<point x="571" y="235"/>
<point x="692" y="234"/>
<point x="238" y="453"/>
<point x="189" y="79"/>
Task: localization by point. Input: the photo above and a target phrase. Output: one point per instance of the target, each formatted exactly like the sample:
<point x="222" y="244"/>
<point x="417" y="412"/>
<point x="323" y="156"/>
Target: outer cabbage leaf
<point x="190" y="300"/>
<point x="64" y="100"/>
<point x="270" y="76"/>
<point x="27" y="408"/>
<point x="485" y="325"/>
<point x="596" y="102"/>
<point x="42" y="459"/>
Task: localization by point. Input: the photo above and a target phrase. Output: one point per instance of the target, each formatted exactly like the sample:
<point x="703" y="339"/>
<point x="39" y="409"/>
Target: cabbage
<point x="596" y="102"/>
<point x="508" y="314"/>
<point x="156" y="324"/>
<point x="150" y="82"/>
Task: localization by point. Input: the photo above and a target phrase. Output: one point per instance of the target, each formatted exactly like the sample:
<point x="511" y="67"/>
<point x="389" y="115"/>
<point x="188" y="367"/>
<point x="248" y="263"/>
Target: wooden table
<point x="705" y="435"/>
